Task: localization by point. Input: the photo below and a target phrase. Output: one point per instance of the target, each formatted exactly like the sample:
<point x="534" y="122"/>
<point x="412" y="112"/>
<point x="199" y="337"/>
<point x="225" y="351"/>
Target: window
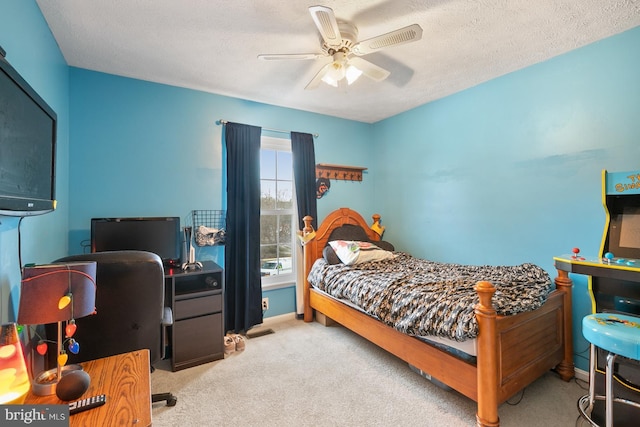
<point x="277" y="213"/>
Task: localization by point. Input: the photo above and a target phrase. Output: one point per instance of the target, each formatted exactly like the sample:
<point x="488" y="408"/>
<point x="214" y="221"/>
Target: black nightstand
<point x="197" y="300"/>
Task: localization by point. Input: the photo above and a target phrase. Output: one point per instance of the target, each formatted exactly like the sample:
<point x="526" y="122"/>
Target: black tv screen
<point x="27" y="147"/>
<point x="630" y="228"/>
<point x="623" y="233"/>
<point x="160" y="235"/>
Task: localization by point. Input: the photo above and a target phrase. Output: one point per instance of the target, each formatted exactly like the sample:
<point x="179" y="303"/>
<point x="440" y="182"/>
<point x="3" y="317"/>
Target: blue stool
<point x="619" y="335"/>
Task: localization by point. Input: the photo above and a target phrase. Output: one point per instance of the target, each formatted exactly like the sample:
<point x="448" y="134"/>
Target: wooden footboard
<point x="512" y="351"/>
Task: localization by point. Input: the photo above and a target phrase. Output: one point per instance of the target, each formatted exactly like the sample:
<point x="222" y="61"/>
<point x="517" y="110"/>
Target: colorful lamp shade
<point x="44" y="285"/>
<point x="14" y="380"/>
<point x="57" y="293"/>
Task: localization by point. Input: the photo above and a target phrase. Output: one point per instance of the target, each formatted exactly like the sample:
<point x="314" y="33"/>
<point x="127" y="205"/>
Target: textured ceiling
<point x="212" y="45"/>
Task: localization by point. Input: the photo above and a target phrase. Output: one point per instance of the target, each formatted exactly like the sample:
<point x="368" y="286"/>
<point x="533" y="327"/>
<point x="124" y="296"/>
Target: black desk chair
<point x="131" y="314"/>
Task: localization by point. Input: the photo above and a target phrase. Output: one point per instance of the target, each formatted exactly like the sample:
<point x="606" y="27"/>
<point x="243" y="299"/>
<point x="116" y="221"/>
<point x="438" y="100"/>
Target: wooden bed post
<point x="566" y="368"/>
<point x="308" y="235"/>
<point x="487" y="358"/>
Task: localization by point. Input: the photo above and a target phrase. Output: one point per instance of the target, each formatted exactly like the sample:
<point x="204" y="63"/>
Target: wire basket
<point x="209" y="227"/>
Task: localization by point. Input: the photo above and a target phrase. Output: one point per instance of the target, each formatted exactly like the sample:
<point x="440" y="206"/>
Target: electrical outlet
<point x="265" y="304"/>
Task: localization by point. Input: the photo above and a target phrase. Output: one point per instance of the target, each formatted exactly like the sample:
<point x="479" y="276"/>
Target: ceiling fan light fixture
<point x="352" y="74"/>
<point x="330" y="81"/>
<point x="337" y="70"/>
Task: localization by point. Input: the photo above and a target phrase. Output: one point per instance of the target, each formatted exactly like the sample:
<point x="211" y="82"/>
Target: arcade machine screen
<point x="624" y="233"/>
<point x="630" y="228"/>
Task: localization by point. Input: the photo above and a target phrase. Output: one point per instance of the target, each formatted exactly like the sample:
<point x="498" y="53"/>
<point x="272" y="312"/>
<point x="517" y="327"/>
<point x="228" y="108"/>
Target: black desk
<point x="614" y="286"/>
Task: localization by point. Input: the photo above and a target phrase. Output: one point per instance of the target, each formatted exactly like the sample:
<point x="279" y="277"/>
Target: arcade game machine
<point x="614" y="283"/>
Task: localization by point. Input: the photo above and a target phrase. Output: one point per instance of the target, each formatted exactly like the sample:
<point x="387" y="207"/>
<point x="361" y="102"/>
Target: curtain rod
<point x="224" y="122"/>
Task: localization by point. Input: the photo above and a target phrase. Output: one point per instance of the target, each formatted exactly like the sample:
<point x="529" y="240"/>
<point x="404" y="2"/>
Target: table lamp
<point x="14" y="381"/>
<point x="57" y="293"/>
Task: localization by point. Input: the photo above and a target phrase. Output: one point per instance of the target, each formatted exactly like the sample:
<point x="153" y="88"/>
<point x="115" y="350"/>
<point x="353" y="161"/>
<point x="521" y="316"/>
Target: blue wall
<point x="34" y="53"/>
<point x="502" y="173"/>
<point x="146" y="149"/>
<point x="510" y="171"/>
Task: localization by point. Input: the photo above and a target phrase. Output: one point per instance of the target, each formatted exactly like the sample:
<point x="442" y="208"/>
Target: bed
<point x="511" y="351"/>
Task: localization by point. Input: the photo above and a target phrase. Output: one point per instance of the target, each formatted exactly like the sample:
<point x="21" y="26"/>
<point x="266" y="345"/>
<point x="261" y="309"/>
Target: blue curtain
<point x="304" y="174"/>
<point x="243" y="288"/>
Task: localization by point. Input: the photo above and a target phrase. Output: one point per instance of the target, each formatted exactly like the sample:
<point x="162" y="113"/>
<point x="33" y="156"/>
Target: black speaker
<point x="72" y="385"/>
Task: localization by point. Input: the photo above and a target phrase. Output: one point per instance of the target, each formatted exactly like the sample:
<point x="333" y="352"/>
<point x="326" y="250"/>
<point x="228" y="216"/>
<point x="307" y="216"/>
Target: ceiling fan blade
<point x="394" y="38"/>
<point x="327" y="24"/>
<point x="317" y="79"/>
<point x="285" y="56"/>
<point x="369" y="69"/>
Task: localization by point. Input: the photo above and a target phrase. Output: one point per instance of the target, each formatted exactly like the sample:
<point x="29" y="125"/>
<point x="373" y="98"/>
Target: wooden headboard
<point x="335" y="219"/>
<point x="313" y="246"/>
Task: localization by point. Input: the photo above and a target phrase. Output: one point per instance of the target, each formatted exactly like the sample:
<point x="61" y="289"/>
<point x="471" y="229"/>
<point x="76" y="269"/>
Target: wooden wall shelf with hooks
<point x="339" y="172"/>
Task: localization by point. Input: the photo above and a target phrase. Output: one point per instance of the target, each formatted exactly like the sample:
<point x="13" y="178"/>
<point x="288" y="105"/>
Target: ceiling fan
<point x="340" y="43"/>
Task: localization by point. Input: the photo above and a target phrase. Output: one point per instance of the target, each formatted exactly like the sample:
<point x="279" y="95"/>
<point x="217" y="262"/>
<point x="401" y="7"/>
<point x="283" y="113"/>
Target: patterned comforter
<point x="421" y="297"/>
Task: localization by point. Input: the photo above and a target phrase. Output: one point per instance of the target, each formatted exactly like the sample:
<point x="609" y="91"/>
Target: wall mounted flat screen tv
<point x="160" y="235"/>
<point x="27" y="147"/>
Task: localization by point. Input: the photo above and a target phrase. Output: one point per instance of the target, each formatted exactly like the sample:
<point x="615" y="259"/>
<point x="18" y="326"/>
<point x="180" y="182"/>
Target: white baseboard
<point x="582" y="375"/>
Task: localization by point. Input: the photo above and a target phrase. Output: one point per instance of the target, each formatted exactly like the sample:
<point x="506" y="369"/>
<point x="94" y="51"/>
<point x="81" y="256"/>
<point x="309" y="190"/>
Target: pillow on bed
<point x="330" y="256"/>
<point x="387" y="246"/>
<point x="353" y="252"/>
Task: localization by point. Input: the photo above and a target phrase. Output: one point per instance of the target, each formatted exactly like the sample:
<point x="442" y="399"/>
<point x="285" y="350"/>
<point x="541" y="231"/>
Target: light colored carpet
<point x="306" y="374"/>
